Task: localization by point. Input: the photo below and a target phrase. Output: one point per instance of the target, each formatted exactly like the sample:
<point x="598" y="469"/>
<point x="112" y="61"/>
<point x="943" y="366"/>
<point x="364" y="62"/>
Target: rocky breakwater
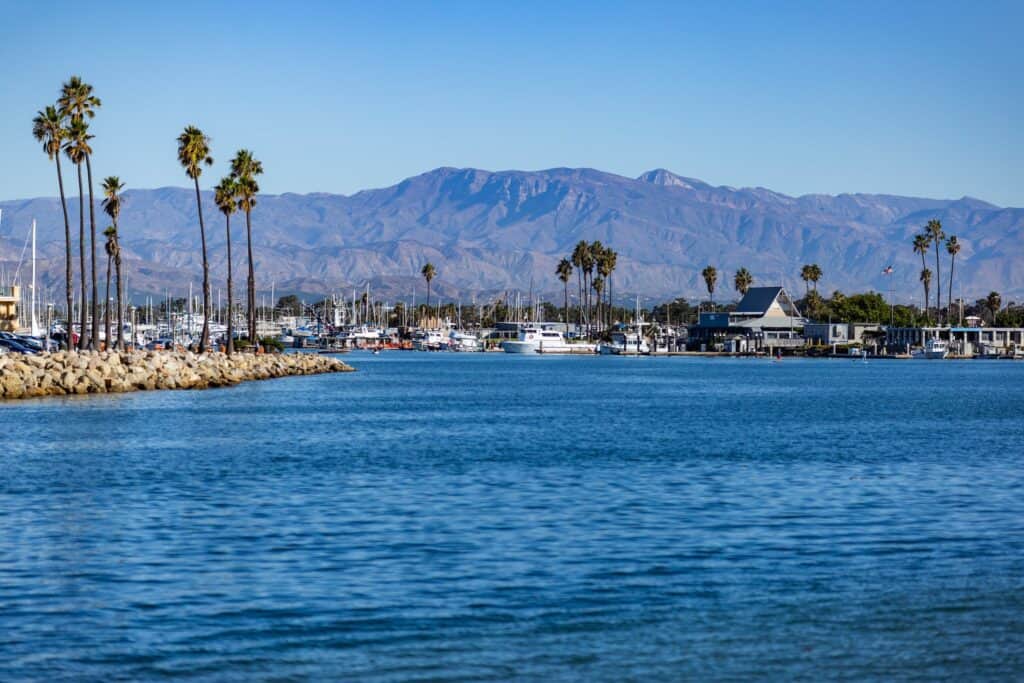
<point x="59" y="374"/>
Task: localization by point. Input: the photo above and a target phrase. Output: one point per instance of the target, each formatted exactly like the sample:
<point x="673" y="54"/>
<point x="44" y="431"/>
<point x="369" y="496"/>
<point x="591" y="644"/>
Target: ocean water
<point x="493" y="517"/>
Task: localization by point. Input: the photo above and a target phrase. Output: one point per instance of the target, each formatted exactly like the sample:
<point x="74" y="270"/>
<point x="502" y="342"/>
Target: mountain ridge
<point x="488" y="231"/>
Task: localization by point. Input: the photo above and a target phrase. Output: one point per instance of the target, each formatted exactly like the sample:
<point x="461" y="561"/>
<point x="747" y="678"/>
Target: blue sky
<point x="903" y="98"/>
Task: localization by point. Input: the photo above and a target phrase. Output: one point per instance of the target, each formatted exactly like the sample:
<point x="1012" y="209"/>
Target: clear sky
<point x="896" y="97"/>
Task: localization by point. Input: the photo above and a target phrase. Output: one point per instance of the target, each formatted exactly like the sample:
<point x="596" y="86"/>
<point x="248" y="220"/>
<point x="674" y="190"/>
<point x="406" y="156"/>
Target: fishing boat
<point x="462" y="341"/>
<point x="429" y="340"/>
<point x="625" y="341"/>
<point x="934" y="349"/>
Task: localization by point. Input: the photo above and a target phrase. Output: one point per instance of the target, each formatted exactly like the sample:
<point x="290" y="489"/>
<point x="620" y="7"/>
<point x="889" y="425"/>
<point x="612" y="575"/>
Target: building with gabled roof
<point x="766" y="318"/>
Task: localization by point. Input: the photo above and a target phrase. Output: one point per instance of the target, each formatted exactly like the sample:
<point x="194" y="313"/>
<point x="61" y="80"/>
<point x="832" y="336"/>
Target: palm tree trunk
<point x="251" y="283"/>
<point x="949" y="306"/>
<point x="231" y="291"/>
<point x="83" y="335"/>
<point x="106" y="310"/>
<point x="206" y="273"/>
<point x="579" y="302"/>
<point x="566" y="309"/>
<point x="938" y="284"/>
<point x="120" y="296"/>
<point x="92" y="249"/>
<point x="67" y="251"/>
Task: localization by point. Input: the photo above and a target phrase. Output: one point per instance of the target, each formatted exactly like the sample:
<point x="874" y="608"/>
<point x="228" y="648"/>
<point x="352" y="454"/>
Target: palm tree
<point x="922" y="243"/>
<point x="603" y="257"/>
<point x="78" y="103"/>
<point x="112" y="188"/>
<point x="578" y="258"/>
<point x="244" y="169"/>
<point x="111" y="234"/>
<point x="564" y="272"/>
<point x="428" y="273"/>
<point x="48" y="128"/>
<point x="994" y="303"/>
<point x="926" y="280"/>
<point x="225" y="196"/>
<point x="710" y="275"/>
<point x="743" y="280"/>
<point x="590" y="265"/>
<point x="77" y="148"/>
<point x="952" y="248"/>
<point x="807" y="274"/>
<point x="598" y="286"/>
<point x="612" y="258"/>
<point x="193" y="154"/>
<point x="934" y="230"/>
<point x="815" y="275"/>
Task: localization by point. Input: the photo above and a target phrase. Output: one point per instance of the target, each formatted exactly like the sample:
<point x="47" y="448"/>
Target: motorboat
<point x="624" y="341"/>
<point x="463" y="341"/>
<point x="934" y="349"/>
<point x="538" y="340"/>
<point x="429" y="340"/>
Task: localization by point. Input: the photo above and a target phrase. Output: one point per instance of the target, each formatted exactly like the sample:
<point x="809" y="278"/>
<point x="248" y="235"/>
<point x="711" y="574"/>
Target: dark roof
<point x="758" y="299"/>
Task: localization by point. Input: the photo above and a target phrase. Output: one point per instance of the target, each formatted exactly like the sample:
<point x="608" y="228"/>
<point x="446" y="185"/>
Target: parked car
<point x="14" y="346"/>
<point x="36" y="343"/>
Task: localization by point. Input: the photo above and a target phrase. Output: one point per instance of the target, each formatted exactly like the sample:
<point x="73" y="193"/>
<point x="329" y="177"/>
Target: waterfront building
<point x="976" y="340"/>
<point x="842" y="333"/>
<point x="9" y="297"/>
<point x="765" y="319"/>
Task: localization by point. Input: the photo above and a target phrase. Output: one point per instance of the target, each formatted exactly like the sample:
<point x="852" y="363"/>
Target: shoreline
<point x="67" y="373"/>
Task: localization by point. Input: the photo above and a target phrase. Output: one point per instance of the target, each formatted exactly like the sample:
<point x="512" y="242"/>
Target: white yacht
<point x="463" y="341"/>
<point x="934" y="349"/>
<point x="537" y="340"/>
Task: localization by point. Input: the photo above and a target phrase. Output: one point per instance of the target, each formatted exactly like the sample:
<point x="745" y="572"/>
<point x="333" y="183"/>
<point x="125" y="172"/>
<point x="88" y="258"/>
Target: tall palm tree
<point x="598" y="286"/>
<point x="926" y="280"/>
<point x="922" y="243"/>
<point x="994" y="302"/>
<point x="77" y="148"/>
<point x="952" y="248"/>
<point x="48" y="128"/>
<point x="577" y="260"/>
<point x="934" y="230"/>
<point x="742" y="280"/>
<point x="193" y="154"/>
<point x="806" y="274"/>
<point x="244" y="169"/>
<point x="78" y="103"/>
<point x="603" y="258"/>
<point x="428" y="274"/>
<point x="225" y="196"/>
<point x="564" y="272"/>
<point x="111" y="234"/>
<point x="710" y="275"/>
<point x="612" y="258"/>
<point x="815" y="275"/>
<point x="112" y="189"/>
<point x="590" y="264"/>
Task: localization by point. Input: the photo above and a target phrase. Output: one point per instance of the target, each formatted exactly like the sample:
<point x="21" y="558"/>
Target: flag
<point x="887" y="271"/>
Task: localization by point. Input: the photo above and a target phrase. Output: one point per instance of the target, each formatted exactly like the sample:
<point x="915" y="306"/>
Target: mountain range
<point x="488" y="232"/>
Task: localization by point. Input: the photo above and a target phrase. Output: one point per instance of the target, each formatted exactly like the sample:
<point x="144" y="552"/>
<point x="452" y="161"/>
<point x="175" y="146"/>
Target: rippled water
<point x="466" y="517"/>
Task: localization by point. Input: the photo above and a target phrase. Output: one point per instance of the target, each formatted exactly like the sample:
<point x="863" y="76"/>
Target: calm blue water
<point x="492" y="517"/>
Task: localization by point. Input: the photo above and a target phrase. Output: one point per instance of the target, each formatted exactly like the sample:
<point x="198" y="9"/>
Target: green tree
<point x="743" y="280"/>
<point x="78" y="103"/>
<point x="922" y="243"/>
<point x="225" y="195"/>
<point x="993" y="302"/>
<point x="193" y="154"/>
<point x="815" y="275"/>
<point x="564" y="272"/>
<point x="244" y="170"/>
<point x="934" y="230"/>
<point x="77" y="149"/>
<point x="48" y="128"/>
<point x="112" y="189"/>
<point x="580" y="254"/>
<point x="952" y="248"/>
<point x="710" y="275"/>
<point x="110" y="248"/>
<point x="428" y="272"/>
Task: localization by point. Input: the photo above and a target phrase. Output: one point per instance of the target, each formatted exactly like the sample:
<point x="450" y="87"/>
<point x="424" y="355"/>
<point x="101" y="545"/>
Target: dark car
<point x="15" y="347"/>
